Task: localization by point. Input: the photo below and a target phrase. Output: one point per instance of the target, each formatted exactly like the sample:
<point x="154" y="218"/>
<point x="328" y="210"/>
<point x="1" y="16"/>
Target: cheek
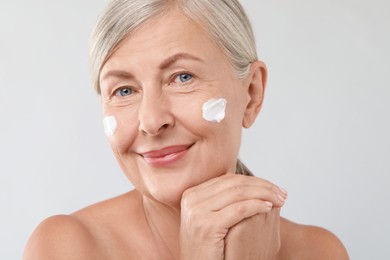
<point x="214" y="119"/>
<point x="224" y="120"/>
<point x="219" y="142"/>
<point x="214" y="110"/>
<point x="120" y="128"/>
<point x="109" y="125"/>
<point x="188" y="112"/>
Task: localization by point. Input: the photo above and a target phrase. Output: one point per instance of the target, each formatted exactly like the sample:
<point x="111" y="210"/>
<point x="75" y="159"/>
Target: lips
<point x="165" y="156"/>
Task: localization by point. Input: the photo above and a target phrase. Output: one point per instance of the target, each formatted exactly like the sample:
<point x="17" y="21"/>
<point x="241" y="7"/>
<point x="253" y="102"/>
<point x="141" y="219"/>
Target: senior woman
<point x="178" y="80"/>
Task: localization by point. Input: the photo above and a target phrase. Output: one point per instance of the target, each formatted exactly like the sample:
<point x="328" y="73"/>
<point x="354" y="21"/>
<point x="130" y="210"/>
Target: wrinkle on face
<point x="147" y="60"/>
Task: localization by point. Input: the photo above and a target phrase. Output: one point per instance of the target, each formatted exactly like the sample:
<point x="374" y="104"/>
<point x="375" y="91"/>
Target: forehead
<point x="165" y="35"/>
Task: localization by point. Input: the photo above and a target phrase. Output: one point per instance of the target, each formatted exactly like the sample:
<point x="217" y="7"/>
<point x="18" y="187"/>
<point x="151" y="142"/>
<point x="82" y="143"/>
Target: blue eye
<point x="183" y="77"/>
<point x="123" y="92"/>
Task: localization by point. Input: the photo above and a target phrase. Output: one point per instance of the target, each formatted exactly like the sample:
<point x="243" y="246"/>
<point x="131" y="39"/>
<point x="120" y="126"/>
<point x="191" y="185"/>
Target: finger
<point x="235" y="182"/>
<point x="240" y="193"/>
<point x="236" y="212"/>
<point x="233" y="194"/>
<point x="207" y="183"/>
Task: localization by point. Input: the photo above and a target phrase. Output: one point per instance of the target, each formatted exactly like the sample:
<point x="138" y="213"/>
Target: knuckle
<point x="237" y="190"/>
<point x="184" y="205"/>
<point x="269" y="185"/>
<point x="187" y="200"/>
<point x="275" y="188"/>
<point x="186" y="194"/>
<point x="272" y="188"/>
<point x="192" y="214"/>
<point x="239" y="210"/>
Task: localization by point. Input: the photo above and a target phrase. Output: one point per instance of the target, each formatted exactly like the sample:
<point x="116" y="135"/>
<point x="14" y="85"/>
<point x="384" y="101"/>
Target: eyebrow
<point x="178" y="56"/>
<point x="165" y="64"/>
<point x="117" y="74"/>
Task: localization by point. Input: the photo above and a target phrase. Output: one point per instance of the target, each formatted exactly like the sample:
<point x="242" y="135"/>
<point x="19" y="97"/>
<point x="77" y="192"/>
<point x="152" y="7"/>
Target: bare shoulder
<point x="309" y="242"/>
<point x="60" y="237"/>
<point x="86" y="234"/>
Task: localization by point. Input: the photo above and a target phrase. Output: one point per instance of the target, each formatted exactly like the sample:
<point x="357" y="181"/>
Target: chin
<point x="169" y="197"/>
<point x="168" y="188"/>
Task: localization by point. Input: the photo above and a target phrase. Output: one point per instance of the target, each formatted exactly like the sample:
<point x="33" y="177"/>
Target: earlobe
<point x="256" y="83"/>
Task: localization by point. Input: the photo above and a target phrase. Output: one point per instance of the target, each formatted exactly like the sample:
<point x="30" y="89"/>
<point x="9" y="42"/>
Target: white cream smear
<point x="109" y="124"/>
<point x="214" y="110"/>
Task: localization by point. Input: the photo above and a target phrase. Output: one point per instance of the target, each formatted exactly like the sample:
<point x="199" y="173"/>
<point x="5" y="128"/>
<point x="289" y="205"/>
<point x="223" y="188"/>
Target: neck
<point x="164" y="222"/>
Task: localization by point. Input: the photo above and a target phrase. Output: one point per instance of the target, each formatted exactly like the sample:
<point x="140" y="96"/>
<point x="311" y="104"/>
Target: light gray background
<point x="323" y="133"/>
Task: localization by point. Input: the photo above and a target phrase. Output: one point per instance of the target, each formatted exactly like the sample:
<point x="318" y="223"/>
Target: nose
<point x="154" y="114"/>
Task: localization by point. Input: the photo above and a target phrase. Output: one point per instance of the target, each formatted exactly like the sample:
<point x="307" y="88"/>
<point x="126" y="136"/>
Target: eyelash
<point x="180" y="74"/>
<point x="116" y="92"/>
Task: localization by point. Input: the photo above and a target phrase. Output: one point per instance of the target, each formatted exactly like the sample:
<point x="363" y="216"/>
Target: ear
<point x="255" y="83"/>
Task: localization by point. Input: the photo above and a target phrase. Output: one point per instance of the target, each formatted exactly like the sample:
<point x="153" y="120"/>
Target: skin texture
<point x="192" y="206"/>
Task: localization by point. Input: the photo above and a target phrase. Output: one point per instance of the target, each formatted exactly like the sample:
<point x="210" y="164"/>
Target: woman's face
<point x="155" y="85"/>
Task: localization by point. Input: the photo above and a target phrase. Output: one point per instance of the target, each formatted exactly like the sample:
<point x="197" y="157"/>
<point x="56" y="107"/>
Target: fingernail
<point x="269" y="204"/>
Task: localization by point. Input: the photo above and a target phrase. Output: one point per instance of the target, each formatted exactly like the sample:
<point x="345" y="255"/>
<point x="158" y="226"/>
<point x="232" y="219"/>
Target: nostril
<point x="151" y="132"/>
<point x="154" y="121"/>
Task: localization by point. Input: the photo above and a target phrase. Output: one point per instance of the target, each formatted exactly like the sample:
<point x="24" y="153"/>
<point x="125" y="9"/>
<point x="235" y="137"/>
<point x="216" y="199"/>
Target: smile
<point x="165" y="156"/>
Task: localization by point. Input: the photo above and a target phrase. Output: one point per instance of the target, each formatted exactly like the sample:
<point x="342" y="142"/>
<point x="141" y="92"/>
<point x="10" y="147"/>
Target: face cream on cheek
<point x="109" y="124"/>
<point x="214" y="110"/>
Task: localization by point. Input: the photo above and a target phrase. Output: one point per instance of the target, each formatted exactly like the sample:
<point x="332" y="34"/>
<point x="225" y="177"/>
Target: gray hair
<point x="224" y="20"/>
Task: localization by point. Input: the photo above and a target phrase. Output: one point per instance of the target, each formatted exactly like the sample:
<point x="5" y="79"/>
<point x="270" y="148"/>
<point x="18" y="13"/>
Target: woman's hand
<point x="256" y="237"/>
<point x="211" y="209"/>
